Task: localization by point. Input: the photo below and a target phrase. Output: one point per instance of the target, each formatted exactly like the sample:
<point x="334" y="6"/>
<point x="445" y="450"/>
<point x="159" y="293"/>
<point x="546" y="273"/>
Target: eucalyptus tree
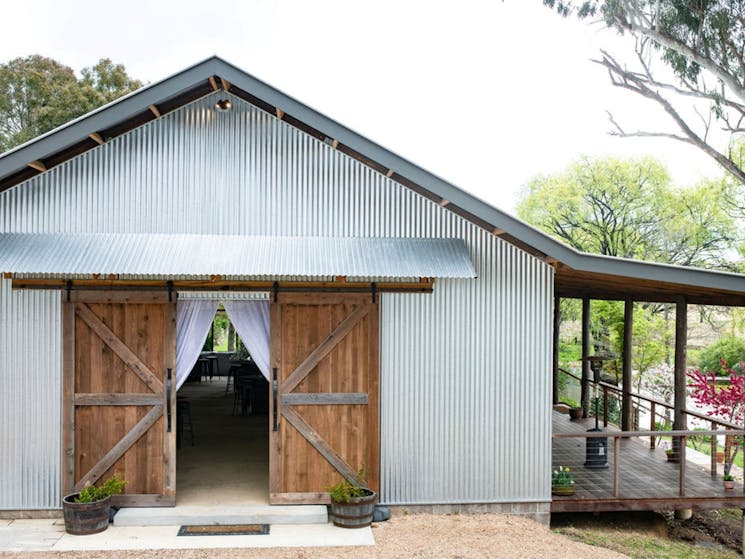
<point x="38" y="94"/>
<point x="702" y="43"/>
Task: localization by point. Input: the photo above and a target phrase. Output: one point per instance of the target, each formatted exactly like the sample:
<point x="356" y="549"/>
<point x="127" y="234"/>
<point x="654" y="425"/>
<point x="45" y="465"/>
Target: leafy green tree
<point x="731" y="350"/>
<point x="38" y="94"/>
<point x="702" y="42"/>
<point x="628" y="208"/>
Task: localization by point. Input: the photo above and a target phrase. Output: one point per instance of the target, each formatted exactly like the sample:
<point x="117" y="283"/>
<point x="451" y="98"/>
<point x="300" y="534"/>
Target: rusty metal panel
<point x="465" y="371"/>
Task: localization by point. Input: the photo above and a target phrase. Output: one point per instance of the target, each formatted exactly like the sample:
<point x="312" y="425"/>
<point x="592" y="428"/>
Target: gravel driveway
<point x="474" y="536"/>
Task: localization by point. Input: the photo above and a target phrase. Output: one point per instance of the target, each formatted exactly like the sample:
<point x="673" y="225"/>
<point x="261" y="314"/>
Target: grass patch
<point x="638" y="545"/>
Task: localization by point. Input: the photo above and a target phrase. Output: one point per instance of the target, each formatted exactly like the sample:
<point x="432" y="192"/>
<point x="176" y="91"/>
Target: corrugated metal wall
<point x="30" y="384"/>
<point x="465" y="372"/>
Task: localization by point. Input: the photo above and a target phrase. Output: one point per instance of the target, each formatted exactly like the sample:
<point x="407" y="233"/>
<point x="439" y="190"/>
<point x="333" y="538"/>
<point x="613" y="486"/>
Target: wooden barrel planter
<point x="562" y="490"/>
<point x="85" y="518"/>
<point x="357" y="513"/>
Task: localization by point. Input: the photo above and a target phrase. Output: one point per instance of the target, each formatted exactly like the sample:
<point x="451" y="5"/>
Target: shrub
<point x="731" y="350"/>
<point x="92" y="493"/>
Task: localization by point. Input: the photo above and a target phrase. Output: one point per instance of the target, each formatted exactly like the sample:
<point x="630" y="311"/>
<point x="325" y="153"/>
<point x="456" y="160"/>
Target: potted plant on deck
<point x="562" y="482"/>
<point x="728" y="480"/>
<point x="352" y="504"/>
<point x="87" y="512"/>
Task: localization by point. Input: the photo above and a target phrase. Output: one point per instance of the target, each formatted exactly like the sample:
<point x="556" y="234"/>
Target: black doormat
<point x="223" y="529"/>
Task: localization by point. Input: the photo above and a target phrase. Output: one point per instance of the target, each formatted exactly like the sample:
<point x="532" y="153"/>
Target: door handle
<point x="168" y="399"/>
<point x="274" y="398"/>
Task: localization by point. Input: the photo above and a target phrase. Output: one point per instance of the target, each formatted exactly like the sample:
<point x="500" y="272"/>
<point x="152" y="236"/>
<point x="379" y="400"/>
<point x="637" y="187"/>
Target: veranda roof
<point x="184" y="256"/>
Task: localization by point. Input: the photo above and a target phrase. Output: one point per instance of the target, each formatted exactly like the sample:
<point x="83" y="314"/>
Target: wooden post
<point x="713" y="451"/>
<point x="681" y="342"/>
<point x="628" y="323"/>
<point x="585" y="388"/>
<point x="652" y="423"/>
<point x="682" y="480"/>
<point x="557" y="322"/>
<point x="616" y="464"/>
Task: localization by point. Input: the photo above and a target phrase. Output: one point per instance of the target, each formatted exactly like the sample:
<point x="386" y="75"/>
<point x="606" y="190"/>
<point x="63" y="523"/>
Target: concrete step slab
<point x="221" y="515"/>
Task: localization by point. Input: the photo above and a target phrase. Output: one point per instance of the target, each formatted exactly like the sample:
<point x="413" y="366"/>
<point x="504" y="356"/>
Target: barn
<point x="408" y="327"/>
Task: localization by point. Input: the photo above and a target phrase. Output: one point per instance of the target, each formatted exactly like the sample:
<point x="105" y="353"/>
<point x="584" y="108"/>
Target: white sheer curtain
<point x="251" y="321"/>
<point x="193" y="322"/>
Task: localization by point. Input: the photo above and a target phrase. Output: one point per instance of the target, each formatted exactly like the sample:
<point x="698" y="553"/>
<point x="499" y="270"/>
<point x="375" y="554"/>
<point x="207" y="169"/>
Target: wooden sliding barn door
<point x="324" y="405"/>
<point x="119" y="402"/>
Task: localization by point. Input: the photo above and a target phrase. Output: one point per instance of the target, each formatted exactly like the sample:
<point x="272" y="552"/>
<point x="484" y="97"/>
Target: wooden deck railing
<point x="638" y="401"/>
<point x="618" y="436"/>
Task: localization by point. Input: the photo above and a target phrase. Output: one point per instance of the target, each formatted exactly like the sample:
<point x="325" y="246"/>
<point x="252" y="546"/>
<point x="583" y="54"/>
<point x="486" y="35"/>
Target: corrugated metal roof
<point x="231" y="256"/>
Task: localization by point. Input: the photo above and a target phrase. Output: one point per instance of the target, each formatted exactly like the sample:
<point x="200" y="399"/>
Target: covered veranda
<point x="635" y="472"/>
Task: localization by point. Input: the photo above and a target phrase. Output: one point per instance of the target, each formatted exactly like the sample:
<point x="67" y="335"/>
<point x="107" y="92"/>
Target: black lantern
<point x="596" y="450"/>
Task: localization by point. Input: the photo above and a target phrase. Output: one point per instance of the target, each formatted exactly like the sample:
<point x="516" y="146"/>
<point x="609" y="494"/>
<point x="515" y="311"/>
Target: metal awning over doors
<point x="229" y="257"/>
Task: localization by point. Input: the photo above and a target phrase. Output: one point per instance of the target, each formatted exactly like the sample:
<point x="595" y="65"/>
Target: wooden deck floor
<point x="647" y="480"/>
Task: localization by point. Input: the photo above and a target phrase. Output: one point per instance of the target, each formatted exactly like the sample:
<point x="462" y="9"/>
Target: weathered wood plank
<point x="323" y="398"/>
<point x="318" y="442"/>
<point x="143" y="500"/>
<point x="117" y="399"/>
<point x="372" y="464"/>
<point x="68" y="390"/>
<point x="322" y="350"/>
<point x="120" y="448"/>
<point x="144" y="296"/>
<point x="169" y="439"/>
<point x="147" y="376"/>
<point x="275" y="321"/>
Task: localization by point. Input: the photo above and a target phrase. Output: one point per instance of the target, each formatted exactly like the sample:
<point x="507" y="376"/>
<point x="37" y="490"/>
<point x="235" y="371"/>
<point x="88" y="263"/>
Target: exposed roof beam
<point x="96" y="137"/>
<point x="225" y="84"/>
<point x="280" y="113"/>
<point x="335" y="144"/>
<point x="498" y="231"/>
<point x="213" y="83"/>
<point x="38" y="165"/>
<point x="389" y="174"/>
<point x="154" y="110"/>
<point x="444" y="202"/>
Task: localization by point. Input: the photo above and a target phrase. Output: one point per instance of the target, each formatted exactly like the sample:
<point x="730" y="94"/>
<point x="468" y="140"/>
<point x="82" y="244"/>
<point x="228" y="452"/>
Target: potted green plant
<point x="728" y="480"/>
<point x="87" y="512"/>
<point x="352" y="503"/>
<point x="562" y="482"/>
<point x="575" y="413"/>
<point x="670" y="453"/>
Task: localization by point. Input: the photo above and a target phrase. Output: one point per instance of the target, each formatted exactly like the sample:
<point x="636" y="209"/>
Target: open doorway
<point x="222" y="411"/>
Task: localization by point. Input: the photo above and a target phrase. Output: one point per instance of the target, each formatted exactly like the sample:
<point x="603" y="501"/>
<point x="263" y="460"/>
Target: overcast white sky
<point x="486" y="94"/>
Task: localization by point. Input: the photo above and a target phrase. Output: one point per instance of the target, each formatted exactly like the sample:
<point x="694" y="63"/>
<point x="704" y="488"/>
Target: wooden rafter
<point x="213" y="83"/>
<point x="444" y="202"/>
<point x="38" y="165"/>
<point x="225" y="84"/>
<point x="280" y="113"/>
<point x="335" y="144"/>
<point x="96" y="137"/>
<point x="154" y="110"/>
<point x="497" y="231"/>
<point x="111" y="282"/>
<point x="389" y="174"/>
